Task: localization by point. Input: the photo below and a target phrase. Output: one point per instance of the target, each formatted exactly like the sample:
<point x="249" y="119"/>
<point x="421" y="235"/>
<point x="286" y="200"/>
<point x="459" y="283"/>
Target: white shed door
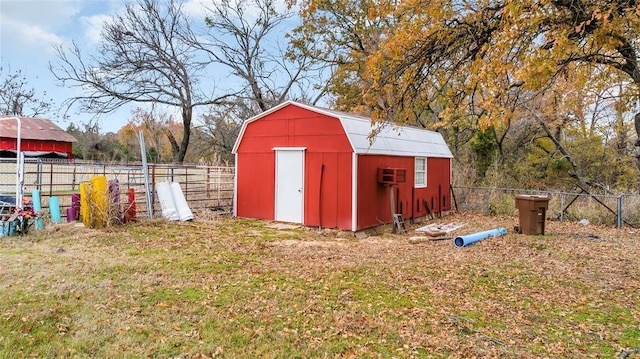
<point x="290" y="185"/>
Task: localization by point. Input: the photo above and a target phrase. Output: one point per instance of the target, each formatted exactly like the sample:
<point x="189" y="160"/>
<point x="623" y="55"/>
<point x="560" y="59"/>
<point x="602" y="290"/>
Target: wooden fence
<point x="204" y="187"/>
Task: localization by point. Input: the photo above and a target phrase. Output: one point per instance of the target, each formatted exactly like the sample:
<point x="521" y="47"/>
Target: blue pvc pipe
<point x="54" y="209"/>
<point x="37" y="207"/>
<point x="463" y="241"/>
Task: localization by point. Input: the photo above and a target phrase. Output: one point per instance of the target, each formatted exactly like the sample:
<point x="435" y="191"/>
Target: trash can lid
<point x="532" y="197"/>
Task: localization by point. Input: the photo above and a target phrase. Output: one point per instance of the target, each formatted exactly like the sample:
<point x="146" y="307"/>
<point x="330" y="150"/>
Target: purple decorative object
<point x="75" y="204"/>
<point x="71" y="214"/>
<point x="75" y="200"/>
<point x="114" y="190"/>
<point x="114" y="193"/>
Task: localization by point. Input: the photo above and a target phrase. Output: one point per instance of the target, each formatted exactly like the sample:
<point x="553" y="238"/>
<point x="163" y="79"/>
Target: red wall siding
<point x="328" y="206"/>
<point x="437" y="194"/>
<point x="326" y="144"/>
<point x="373" y="198"/>
<point x="35" y="145"/>
<point x="292" y="126"/>
<point x="256" y="182"/>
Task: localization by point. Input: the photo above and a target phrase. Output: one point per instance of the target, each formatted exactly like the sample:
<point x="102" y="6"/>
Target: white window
<point x="421" y="172"/>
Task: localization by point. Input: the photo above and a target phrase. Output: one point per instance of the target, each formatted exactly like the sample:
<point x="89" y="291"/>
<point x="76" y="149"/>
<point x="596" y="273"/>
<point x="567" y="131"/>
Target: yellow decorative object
<point x="99" y="202"/>
<point x="85" y="209"/>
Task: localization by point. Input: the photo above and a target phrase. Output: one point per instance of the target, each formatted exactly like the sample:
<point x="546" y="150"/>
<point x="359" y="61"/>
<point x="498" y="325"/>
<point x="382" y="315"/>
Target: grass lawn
<point x="235" y="288"/>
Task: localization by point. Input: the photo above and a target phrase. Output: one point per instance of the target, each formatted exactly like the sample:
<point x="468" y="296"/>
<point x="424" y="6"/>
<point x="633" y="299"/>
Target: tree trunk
<point x="175" y="148"/>
<point x="187" y="113"/>
<point x="581" y="182"/>
<point x="636" y="120"/>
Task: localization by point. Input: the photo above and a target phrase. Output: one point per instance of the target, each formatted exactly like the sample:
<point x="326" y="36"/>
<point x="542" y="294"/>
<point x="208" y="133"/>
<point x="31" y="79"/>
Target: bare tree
<point x="17" y="99"/>
<point x="217" y="134"/>
<point x="149" y="55"/>
<point x="248" y="37"/>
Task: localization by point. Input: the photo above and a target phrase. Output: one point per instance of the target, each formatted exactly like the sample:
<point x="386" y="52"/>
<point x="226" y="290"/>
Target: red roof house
<point x="39" y="137"/>
<point x="317" y="167"/>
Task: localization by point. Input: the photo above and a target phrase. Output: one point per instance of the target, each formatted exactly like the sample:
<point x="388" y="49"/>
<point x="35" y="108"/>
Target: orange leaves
<point x="599" y="18"/>
<point x="437" y="61"/>
<point x="162" y="305"/>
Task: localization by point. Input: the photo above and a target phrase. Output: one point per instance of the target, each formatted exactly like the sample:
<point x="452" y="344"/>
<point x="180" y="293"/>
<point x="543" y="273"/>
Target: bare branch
<point x="145" y="57"/>
<point x="17" y="99"/>
<point x="248" y="44"/>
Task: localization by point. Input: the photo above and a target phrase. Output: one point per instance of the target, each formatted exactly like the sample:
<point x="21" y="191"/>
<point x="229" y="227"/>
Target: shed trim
<point x="354" y="192"/>
<point x="235" y="187"/>
<point x="276" y="204"/>
<point x="289" y="148"/>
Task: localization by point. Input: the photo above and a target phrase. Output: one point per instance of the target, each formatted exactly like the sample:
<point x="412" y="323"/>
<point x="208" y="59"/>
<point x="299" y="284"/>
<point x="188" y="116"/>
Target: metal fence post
<point x="50" y="179"/>
<point x="186" y="181"/>
<point x="219" y="186"/>
<point x="73" y="180"/>
<point x="208" y="182"/>
<point x="620" y="211"/>
<point x="153" y="186"/>
<point x="488" y="209"/>
<point x="39" y="175"/>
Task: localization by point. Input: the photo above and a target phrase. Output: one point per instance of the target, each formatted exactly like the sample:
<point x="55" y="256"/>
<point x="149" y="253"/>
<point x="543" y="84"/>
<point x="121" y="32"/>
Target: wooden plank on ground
<point x="440" y="229"/>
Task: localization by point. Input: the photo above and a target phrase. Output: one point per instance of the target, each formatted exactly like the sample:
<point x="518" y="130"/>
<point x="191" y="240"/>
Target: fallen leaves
<point x="256" y="291"/>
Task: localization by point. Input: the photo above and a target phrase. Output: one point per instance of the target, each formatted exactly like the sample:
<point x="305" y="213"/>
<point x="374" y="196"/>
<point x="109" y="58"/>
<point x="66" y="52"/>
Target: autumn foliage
<point x="565" y="71"/>
<point x="484" y="58"/>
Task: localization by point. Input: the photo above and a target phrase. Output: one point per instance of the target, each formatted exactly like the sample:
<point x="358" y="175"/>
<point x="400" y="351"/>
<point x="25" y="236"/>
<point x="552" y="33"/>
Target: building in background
<point x="39" y="137"/>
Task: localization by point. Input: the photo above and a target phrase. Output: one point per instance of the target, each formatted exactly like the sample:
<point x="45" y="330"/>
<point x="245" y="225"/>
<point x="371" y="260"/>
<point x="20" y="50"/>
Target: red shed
<point x="305" y="164"/>
<point x="39" y="137"/>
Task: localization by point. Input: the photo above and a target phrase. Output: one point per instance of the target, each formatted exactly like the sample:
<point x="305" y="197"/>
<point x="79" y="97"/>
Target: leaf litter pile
<point x="237" y="288"/>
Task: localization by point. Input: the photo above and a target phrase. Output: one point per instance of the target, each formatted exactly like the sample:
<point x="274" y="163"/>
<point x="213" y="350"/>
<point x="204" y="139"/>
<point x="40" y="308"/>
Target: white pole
<point x="20" y="185"/>
<point x="18" y="166"/>
<point x="145" y="172"/>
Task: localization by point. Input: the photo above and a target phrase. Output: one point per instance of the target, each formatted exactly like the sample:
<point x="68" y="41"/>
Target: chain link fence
<point x="211" y="188"/>
<point x="204" y="187"/>
<point x="622" y="210"/>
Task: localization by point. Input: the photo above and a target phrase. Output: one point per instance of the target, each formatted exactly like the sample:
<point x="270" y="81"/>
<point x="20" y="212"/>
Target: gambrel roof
<point x="390" y="140"/>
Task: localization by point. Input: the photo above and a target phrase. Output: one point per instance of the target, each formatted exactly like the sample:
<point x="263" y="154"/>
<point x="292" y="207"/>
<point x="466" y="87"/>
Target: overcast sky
<point x="29" y="28"/>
